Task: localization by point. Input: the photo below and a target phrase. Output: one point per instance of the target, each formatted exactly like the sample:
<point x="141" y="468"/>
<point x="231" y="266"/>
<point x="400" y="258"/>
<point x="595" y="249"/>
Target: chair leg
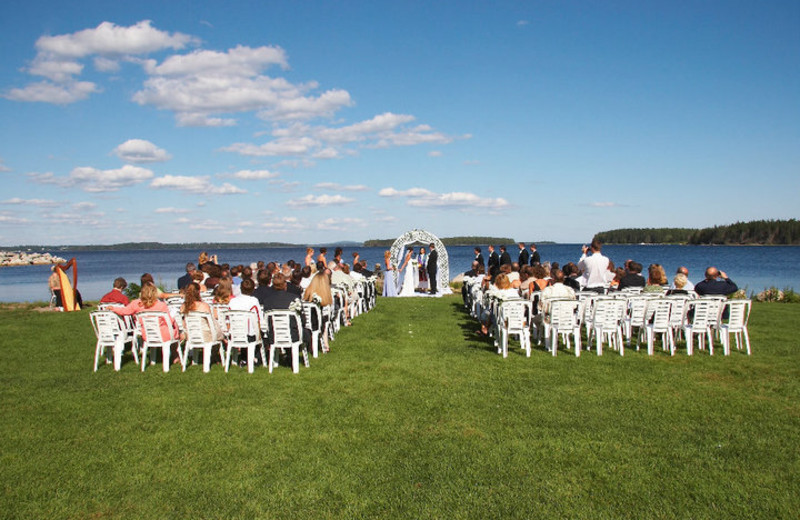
<point x="271" y="357"/>
<point x="165" y="352"/>
<point x="746" y="339"/>
<point x="251" y="355"/>
<point x="295" y="359"/>
<point x="207" y="359"/>
<point x="97" y="350"/>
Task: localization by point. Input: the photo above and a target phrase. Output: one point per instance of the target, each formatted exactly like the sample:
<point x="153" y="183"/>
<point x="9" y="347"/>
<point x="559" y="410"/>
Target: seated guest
<point x="247" y="300"/>
<point x="656" y="279"/>
<point x="199" y="277"/>
<point x="473" y="270"/>
<point x="192" y="302"/>
<point x="276" y="296"/>
<point x="571" y="274"/>
<point x="366" y="272"/>
<point x="223" y="292"/>
<point x="186" y="279"/>
<point x="716" y="283"/>
<point x="500" y="289"/>
<point x="319" y="290"/>
<point x="306" y="272"/>
<point x="556" y="291"/>
<point x="679" y="284"/>
<point x="633" y="278"/>
<point x="116" y="295"/>
<point x="148" y="301"/>
<point x="294" y="283"/>
<point x="684" y="271"/>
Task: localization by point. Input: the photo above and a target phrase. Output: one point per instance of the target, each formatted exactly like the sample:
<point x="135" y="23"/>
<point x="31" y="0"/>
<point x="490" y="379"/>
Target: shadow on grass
<point x="469" y="329"/>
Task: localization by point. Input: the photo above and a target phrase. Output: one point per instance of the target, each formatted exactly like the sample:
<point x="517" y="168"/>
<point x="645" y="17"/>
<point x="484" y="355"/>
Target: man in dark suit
<point x="186" y="279"/>
<point x="277" y="297"/>
<point x="479" y="256"/>
<point x="535" y="258"/>
<point x="432" y="268"/>
<point x="505" y="258"/>
<point x="716" y="283"/>
<point x="523" y="255"/>
<point x="494" y="261"/>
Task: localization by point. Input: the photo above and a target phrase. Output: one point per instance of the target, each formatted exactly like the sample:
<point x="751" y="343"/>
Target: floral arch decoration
<point x="424" y="238"/>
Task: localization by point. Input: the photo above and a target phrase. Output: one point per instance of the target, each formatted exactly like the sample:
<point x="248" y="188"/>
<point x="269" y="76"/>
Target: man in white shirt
<point x="594" y="267"/>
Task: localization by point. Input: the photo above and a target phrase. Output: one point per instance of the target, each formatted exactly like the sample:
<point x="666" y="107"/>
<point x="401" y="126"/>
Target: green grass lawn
<point x="410" y="416"/>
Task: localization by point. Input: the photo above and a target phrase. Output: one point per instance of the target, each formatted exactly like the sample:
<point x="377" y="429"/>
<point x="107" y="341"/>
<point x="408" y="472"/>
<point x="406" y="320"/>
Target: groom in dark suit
<point x="433" y="259"/>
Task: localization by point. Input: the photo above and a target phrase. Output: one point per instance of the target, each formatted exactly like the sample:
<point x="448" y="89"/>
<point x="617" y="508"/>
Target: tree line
<point x="756" y="232"/>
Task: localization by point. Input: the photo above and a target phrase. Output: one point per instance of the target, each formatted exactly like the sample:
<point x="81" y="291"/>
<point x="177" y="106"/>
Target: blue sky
<point x="310" y="122"/>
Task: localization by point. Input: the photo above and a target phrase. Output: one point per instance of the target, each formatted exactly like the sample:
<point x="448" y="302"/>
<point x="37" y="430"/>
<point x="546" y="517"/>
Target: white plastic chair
<point x="657" y="321"/>
<point x="606" y="324"/>
<point x="312" y="314"/>
<point x="199" y="324"/>
<point x="513" y="319"/>
<point x="738" y="313"/>
<point x="634" y="316"/>
<point x="243" y="334"/>
<point x="562" y="320"/>
<point x="112" y="332"/>
<point x="150" y="325"/>
<point x="699" y="318"/>
<point x="278" y="331"/>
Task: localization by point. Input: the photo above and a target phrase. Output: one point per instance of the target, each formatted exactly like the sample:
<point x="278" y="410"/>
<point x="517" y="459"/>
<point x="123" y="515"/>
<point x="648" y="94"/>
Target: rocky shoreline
<point x="15" y="258"/>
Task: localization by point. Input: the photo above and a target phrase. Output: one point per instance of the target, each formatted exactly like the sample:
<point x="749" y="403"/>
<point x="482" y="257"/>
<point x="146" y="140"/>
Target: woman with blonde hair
<point x="192" y="302"/>
<point x="389" y="280"/>
<point x="309" y="261"/>
<point x="319" y="292"/>
<point x="656" y="279"/>
<point x="148" y="301"/>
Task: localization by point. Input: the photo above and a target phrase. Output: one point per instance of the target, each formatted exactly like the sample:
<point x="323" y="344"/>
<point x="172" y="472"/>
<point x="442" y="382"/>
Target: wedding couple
<point x="406" y="278"/>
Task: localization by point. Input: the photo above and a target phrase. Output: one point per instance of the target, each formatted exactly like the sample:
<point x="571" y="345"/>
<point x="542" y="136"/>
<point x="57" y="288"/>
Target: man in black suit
<point x="432" y="268"/>
<point x="535" y="258"/>
<point x="494" y="261"/>
<point x="277" y="297"/>
<point x="186" y="279"/>
<point x="505" y="258"/>
<point x="479" y="256"/>
<point x="523" y="254"/>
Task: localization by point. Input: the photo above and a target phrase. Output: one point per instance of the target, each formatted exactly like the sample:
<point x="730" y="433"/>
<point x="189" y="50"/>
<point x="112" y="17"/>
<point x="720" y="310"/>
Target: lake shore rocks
<point x="14" y="258"/>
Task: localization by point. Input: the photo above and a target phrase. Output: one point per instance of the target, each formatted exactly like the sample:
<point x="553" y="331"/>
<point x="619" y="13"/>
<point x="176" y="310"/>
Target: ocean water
<point x="752" y="267"/>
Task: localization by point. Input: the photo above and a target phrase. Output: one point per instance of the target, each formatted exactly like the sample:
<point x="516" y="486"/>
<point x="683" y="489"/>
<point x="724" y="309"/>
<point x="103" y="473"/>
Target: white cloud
<point x="43" y="203"/>
<point x="95" y="180"/>
<point x="605" y="205"/>
<point x="283" y="146"/>
<point x="335" y="186"/>
<point x="320" y="200"/>
<point x="109" y="38"/>
<point x="57" y="59"/>
<point x="200" y="86"/>
<point x="435" y="153"/>
<point x="141" y="151"/>
<point x="3" y="167"/>
<point x="283" y="225"/>
<point x="251" y="175"/>
<point x="412" y="192"/>
<point x="321" y="142"/>
<point x="47" y="92"/>
<point x="421" y="197"/>
<point x="340" y="224"/>
<point x="171" y="210"/>
<point x="208" y="225"/>
<point x="199" y="185"/>
<point x="84" y="206"/>
<point x="10" y="219"/>
<point x="522" y="23"/>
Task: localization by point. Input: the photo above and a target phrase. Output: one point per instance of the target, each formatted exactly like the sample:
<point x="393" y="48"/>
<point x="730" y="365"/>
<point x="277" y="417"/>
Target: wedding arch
<point x="424" y="238"/>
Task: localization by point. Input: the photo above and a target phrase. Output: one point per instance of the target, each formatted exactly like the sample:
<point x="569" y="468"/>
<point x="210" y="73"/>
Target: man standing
<point x="523" y="255"/>
<point x="713" y="286"/>
<point x="535" y="258"/>
<point x="479" y="256"/>
<point x="494" y="261"/>
<point x="505" y="258"/>
<point x="433" y="260"/>
<point x="594" y="267"/>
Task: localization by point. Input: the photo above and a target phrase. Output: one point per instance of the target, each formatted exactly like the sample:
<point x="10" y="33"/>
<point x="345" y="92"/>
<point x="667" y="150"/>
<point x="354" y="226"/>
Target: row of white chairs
<point x="612" y="320"/>
<point x="244" y="331"/>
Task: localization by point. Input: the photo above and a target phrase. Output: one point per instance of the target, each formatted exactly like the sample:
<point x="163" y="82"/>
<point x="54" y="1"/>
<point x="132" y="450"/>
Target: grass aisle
<point x="411" y="416"/>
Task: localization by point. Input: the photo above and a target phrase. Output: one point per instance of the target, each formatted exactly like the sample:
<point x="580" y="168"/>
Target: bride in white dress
<point x="408" y="274"/>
